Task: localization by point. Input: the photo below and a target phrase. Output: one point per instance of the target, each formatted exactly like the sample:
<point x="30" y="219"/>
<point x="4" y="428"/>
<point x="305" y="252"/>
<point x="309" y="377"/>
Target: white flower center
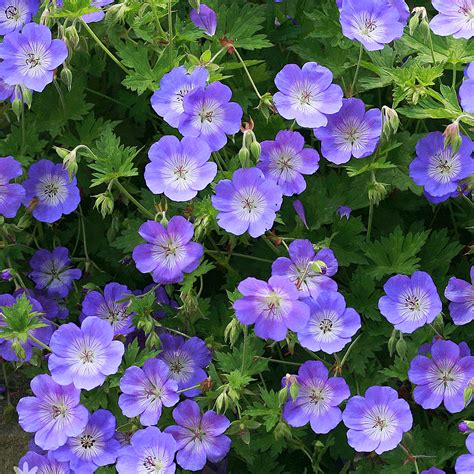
<point x="152" y="464"/>
<point x="379" y="422"/>
<point x="414" y="304"/>
<point x="444" y="166"/>
<point x="52" y="189"/>
<point x="12" y="13"/>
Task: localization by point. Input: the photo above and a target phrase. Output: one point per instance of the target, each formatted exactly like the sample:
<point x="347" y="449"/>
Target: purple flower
<point x="150" y="450"/>
<point x="43" y="334"/>
<point x="377" y="421"/>
<point x="30" y="57"/>
<point x="344" y="211"/>
<point x="84" y="356"/>
<point x="441" y="378"/>
<point x="11" y="194"/>
<point x="53" y="413"/>
<point x="167" y="101"/>
<point x="16" y="13"/>
<point x="466" y="91"/>
<point x="199" y="437"/>
<point x="455" y="17"/>
<point x="51" y="308"/>
<point x="331" y="325"/>
<point x="110" y="306"/>
<point x="461" y="295"/>
<point x="7" y="91"/>
<point x="433" y="470"/>
<point x="6" y="275"/>
<point x="465" y="462"/>
<point x="205" y="19"/>
<point x="400" y="5"/>
<point x="463" y="427"/>
<point x="299" y="209"/>
<point x="50" y="192"/>
<point x="52" y="271"/>
<point x="209" y="115"/>
<point x="145" y="391"/>
<point x="307" y="94"/>
<point x="285" y="160"/>
<point x="179" y="169"/>
<point x="317" y="400"/>
<point x="95" y="446"/>
<point x="34" y="463"/>
<point x="169" y="252"/>
<point x="374" y="23"/>
<point x="273" y="307"/>
<point x="351" y="132"/>
<point x="410" y="302"/>
<point x="437" y="168"/>
<point x="186" y="360"/>
<point x="248" y="202"/>
<point x="299" y="269"/>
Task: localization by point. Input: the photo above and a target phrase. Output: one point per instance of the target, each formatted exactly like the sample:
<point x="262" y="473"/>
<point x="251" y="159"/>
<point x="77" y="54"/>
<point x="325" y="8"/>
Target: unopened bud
<point x="18" y="349"/>
<point x="256" y="149"/>
<point x="66" y="77"/>
<point x="104" y="203"/>
<point x="6" y="275"/>
<point x="232" y="332"/>
<point x="25" y="95"/>
<point x="318" y="266"/>
<point x="117" y="12"/>
<point x="206" y="385"/>
<point x="244" y="157"/>
<point x="17" y="107"/>
<point x="463" y="427"/>
<point x="452" y="137"/>
<point x="196" y="4"/>
<point x="390" y="121"/>
<point x="72" y="36"/>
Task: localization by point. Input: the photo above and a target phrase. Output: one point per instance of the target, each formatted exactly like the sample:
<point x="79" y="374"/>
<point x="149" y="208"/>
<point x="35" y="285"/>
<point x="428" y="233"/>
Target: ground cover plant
<point x="237" y="236"/>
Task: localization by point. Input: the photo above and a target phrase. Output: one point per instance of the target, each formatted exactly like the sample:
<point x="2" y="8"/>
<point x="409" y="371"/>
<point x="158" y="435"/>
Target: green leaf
<point x="397" y="253"/>
<point x="190" y="278"/>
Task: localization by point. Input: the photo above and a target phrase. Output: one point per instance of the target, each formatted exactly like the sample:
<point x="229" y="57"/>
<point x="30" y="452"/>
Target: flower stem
<point x="42" y="344"/>
<point x="244" y="349"/>
<point x="141" y="208"/>
<point x="104" y="48"/>
<point x="241" y="255"/>
<point x="371" y="219"/>
<point x="349" y="351"/>
<point x="189" y="388"/>
<point x="175" y="331"/>
<point x="216" y="55"/>
<point x="356" y="75"/>
<point x="248" y="73"/>
<point x="275" y="361"/>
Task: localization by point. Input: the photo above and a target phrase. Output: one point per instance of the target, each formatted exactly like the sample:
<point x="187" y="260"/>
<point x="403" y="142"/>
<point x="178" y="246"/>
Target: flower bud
<point x="318" y="266"/>
<point x="463" y="427"/>
<point x="71" y="36"/>
<point x="196" y="4"/>
<point x="206" y="385"/>
<point x="17" y="107"/>
<point x="6" y="275"/>
<point x="282" y="395"/>
<point x="66" y="77"/>
<point x="117" y="12"/>
<point x="452" y="137"/>
<point x="232" y="332"/>
<point x="390" y="121"/>
<point x="244" y="157"/>
<point x="25" y="95"/>
<point x="255" y="149"/>
<point x="104" y="203"/>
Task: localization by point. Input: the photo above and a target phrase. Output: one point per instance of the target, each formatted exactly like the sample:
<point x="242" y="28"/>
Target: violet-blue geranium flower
<point x="16" y="13"/>
<point x="199" y="437"/>
<point x="11" y="194"/>
<point x="285" y="159"/>
<point x="400" y="5"/>
<point x="149" y="451"/>
<point x="442" y="378"/>
<point x="351" y="132"/>
<point x="43" y="334"/>
<point x="146" y="390"/>
<point x="433" y="470"/>
<point x="300" y="271"/>
<point x="465" y="462"/>
<point x="273" y="307"/>
<point x="318" y="398"/>
<point x="376" y="421"/>
<point x="461" y="295"/>
<point x="455" y="17"/>
<point x="30" y="57"/>
<point x="186" y="360"/>
<point x="169" y="252"/>
<point x="50" y="192"/>
<point x="51" y="271"/>
<point x="466" y="91"/>
<point x="437" y="168"/>
<point x="205" y="18"/>
<point x="307" y="94"/>
<point x="53" y="413"/>
<point x="35" y="463"/>
<point x="110" y="305"/>
<point x="410" y="302"/>
<point x="6" y="91"/>
<point x="344" y="211"/>
<point x="167" y="101"/>
<point x="331" y="324"/>
<point x="84" y="356"/>
<point x="247" y="202"/>
<point x="95" y="446"/>
<point x="374" y="23"/>
<point x="179" y="169"/>
<point x="210" y="116"/>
